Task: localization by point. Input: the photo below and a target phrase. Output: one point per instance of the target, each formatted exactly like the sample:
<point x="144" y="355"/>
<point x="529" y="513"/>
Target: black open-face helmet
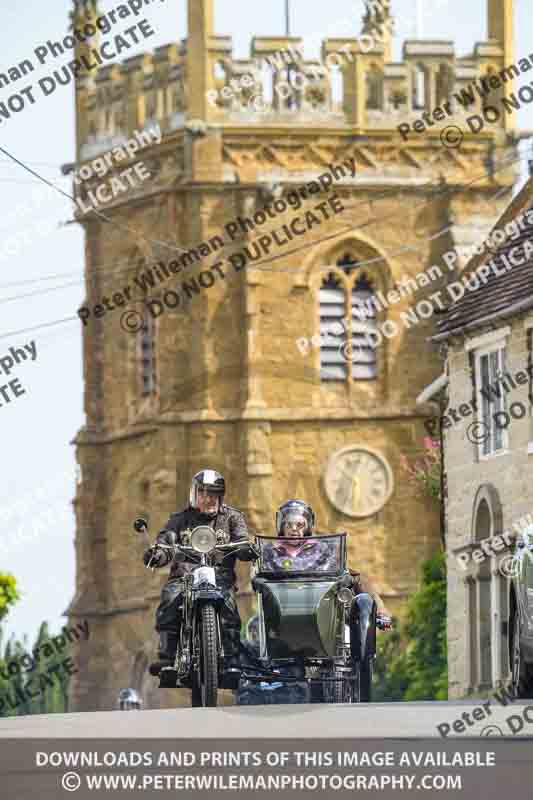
<point x="295" y="510"/>
<point x="210" y="480"/>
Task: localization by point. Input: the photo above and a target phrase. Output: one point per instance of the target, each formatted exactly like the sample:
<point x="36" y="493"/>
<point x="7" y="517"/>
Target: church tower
<point x="265" y="369"/>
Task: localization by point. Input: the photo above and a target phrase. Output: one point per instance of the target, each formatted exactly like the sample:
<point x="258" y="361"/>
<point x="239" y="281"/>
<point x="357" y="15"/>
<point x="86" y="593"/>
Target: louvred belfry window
<point x="364" y="324"/>
<point x="348" y="318"/>
<point x="333" y="366"/>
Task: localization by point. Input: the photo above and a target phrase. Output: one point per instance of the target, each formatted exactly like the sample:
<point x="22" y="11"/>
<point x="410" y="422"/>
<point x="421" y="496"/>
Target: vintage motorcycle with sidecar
<point x="314" y="630"/>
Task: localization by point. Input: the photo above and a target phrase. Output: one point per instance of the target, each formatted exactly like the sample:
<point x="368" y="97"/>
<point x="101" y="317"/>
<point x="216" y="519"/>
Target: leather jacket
<point x="228" y="519"/>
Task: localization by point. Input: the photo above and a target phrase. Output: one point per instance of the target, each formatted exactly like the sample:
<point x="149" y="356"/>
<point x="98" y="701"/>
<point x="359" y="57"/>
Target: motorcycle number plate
<point x="204" y="575"/>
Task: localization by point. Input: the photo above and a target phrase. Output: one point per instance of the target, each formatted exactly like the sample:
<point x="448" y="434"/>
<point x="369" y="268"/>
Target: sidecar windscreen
<point x="313" y="555"/>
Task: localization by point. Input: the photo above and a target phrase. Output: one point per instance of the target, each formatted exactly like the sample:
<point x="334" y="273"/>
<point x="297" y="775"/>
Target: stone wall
<point x="503" y="481"/>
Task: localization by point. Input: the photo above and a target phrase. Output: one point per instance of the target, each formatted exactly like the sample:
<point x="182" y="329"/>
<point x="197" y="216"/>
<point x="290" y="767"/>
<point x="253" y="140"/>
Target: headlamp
<point x="203" y="539"/>
<point x="345" y="595"/>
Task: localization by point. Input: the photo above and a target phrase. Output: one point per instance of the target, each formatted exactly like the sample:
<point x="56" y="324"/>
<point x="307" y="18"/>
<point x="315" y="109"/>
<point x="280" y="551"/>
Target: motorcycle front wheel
<point x="208" y="657"/>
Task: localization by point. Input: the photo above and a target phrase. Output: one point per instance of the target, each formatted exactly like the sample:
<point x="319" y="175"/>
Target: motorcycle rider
<point x="295" y="518"/>
<point x="206" y="507"/>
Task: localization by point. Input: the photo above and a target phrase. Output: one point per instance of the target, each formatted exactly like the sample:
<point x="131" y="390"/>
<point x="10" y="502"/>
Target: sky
<point x="37" y="427"/>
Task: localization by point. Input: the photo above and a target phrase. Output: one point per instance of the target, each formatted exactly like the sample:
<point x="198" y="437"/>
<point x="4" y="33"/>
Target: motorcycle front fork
<point x="183" y="653"/>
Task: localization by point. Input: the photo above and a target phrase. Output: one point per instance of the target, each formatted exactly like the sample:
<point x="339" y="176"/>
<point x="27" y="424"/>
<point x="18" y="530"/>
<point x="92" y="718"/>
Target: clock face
<point x="358" y="481"/>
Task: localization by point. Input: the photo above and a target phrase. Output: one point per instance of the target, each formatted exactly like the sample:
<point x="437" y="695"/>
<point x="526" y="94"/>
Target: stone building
<point x="488" y="444"/>
<point x="216" y="377"/>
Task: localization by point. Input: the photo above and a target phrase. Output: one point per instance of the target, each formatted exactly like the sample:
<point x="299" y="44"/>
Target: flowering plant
<point x="426" y="472"/>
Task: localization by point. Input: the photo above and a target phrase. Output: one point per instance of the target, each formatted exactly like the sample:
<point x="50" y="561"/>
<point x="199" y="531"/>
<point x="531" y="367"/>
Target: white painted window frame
<point x="528" y="324"/>
<point x="496" y="346"/>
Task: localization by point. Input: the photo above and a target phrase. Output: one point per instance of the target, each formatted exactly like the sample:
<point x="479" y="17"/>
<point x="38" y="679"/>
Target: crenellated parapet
<point x="353" y="85"/>
<point x="132" y="95"/>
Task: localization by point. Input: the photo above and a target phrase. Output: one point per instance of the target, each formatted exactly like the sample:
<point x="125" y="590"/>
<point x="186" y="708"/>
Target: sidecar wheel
<point x="209" y="657"/>
<point x="365" y="681"/>
<point x="343" y="692"/>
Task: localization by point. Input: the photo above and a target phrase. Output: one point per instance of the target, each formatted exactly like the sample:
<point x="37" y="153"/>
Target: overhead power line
<point x="440" y="191"/>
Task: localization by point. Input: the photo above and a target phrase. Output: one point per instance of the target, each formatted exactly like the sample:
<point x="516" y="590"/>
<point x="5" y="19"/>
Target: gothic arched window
<point x="348" y="318"/>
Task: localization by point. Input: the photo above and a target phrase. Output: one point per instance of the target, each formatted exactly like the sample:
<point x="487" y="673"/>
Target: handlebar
<point x="229" y="548"/>
<point x="188" y="549"/>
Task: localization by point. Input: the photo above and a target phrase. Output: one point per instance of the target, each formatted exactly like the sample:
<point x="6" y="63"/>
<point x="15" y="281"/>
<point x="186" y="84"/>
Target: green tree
<point x="50" y="688"/>
<point x="412" y="663"/>
<point x="390" y="669"/>
<point x="8" y="593"/>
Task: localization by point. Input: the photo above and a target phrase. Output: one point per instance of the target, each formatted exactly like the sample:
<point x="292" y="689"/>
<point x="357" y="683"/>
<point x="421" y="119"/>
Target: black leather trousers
<point x="169" y="613"/>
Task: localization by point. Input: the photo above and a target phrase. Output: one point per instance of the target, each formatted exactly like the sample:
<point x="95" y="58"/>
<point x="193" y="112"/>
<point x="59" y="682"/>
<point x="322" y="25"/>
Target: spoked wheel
<point x="522" y="679"/>
<point x="365" y="680"/>
<point x="209" y="657"/>
<point x="336" y="687"/>
<point x="343" y="688"/>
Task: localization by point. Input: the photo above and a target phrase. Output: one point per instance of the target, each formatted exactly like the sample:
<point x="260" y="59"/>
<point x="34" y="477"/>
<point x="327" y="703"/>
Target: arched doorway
<point x="486" y="598"/>
<point x="483" y="643"/>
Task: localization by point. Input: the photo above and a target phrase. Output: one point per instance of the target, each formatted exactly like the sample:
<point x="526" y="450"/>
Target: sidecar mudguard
<point x="363" y="627"/>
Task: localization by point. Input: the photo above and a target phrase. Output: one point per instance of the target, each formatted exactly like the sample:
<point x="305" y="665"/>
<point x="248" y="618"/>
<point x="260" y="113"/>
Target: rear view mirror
<point x="140" y="525"/>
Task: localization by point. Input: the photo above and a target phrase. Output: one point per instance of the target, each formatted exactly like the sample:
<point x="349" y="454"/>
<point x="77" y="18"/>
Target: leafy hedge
<point x="412" y="660"/>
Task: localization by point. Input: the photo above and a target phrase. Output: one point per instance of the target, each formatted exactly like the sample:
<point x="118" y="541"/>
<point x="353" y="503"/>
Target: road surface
<point x="374" y="720"/>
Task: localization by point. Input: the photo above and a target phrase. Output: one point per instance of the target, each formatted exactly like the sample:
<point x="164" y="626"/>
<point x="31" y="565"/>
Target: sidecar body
<point x="299" y="613"/>
<point x="308" y="616"/>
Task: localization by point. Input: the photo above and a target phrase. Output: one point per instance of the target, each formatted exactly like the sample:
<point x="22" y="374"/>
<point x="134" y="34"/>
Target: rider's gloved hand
<point x="155" y="556"/>
<point x="248" y="553"/>
<point x="383" y="621"/>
